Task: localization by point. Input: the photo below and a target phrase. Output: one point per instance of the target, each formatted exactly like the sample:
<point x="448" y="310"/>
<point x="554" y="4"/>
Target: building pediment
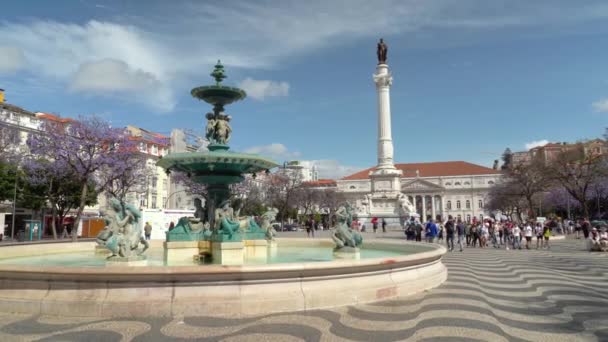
<point x="420" y="185"/>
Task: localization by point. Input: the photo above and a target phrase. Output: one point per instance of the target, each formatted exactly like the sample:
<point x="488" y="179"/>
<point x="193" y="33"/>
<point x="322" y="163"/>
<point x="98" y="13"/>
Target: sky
<point x="470" y="77"/>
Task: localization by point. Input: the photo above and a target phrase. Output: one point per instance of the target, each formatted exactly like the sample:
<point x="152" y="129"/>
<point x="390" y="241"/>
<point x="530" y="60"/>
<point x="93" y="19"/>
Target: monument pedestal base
<point x="178" y="252"/>
<point x="256" y="250"/>
<point x="228" y="253"/>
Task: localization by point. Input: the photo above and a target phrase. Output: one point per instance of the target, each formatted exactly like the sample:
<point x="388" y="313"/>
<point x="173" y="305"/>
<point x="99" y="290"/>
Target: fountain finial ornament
<point x="382" y="51"/>
<point x="218" y="73"/>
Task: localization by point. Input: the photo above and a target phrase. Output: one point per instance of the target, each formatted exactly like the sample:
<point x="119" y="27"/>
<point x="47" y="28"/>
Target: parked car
<point x="290" y="227"/>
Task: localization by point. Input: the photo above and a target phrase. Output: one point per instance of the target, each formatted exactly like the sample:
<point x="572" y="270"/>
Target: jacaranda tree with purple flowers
<point x="86" y="148"/>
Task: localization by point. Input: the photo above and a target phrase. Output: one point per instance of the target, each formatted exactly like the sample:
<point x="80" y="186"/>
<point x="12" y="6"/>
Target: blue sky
<point x="471" y="77"/>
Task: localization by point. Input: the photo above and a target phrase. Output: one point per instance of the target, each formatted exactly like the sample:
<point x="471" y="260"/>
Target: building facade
<point x="435" y="190"/>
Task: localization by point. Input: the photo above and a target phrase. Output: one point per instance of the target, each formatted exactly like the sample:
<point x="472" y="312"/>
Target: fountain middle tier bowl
<point x="308" y="275"/>
<point x="216" y="167"/>
<point x="217" y="94"/>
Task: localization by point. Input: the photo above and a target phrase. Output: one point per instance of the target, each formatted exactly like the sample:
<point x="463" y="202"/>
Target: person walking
<point x="474" y="234"/>
<point x="516" y="237"/>
<point x="460" y="228"/>
<point x="431" y="231"/>
<point x="148" y="230"/>
<point x="538" y="231"/>
<point x="546" y="236"/>
<point x="419" y="230"/>
<point x="467" y="232"/>
<point x="528" y="235"/>
<point x="383" y="225"/>
<point x="586" y="227"/>
<point x="375" y="224"/>
<point x="449" y="233"/>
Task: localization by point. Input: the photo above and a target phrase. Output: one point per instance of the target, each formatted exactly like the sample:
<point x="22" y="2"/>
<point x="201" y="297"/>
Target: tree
<point x="50" y="181"/>
<point x="8" y="175"/>
<point x="507" y="159"/>
<point x="85" y="147"/>
<point x="10" y="137"/>
<point x="330" y="200"/>
<point x="281" y="193"/>
<point x="577" y="172"/>
<point x="526" y="180"/>
<point x="502" y="198"/>
<point x="306" y="199"/>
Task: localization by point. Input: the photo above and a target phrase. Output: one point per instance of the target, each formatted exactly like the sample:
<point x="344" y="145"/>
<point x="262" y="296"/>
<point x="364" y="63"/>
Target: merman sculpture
<point x="346" y="238"/>
<point x="122" y="234"/>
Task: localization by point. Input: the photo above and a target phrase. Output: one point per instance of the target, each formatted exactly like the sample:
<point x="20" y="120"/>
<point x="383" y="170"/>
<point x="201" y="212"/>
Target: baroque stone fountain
<point x="217" y="168"/>
<point x="250" y="273"/>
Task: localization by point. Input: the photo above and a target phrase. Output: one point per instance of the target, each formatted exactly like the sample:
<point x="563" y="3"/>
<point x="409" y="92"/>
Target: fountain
<point x="249" y="272"/>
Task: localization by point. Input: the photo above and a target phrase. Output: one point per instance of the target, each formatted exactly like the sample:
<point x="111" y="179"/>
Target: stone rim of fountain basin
<point x="216" y="290"/>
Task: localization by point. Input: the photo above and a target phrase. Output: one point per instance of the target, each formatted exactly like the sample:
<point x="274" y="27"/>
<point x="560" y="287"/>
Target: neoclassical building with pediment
<point x="435" y="190"/>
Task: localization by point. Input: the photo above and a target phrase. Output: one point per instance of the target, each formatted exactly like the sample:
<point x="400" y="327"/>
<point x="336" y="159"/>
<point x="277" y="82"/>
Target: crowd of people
<point x="502" y="234"/>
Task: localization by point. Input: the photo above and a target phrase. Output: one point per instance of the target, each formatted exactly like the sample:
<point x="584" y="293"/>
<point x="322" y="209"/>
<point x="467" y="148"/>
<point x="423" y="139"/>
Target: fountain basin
<point x="213" y="290"/>
<point x="216" y="167"/>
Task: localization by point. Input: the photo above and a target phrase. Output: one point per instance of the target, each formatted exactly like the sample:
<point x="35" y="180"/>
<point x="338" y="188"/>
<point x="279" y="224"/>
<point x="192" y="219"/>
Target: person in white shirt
<point x="516" y="237"/>
<point x="528" y="235"/>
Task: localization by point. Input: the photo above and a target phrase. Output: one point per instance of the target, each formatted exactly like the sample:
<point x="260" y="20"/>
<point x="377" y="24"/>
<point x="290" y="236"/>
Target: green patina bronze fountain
<point x="217" y="168"/>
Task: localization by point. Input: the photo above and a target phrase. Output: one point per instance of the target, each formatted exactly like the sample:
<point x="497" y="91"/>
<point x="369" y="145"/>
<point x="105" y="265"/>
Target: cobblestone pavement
<point x="490" y="295"/>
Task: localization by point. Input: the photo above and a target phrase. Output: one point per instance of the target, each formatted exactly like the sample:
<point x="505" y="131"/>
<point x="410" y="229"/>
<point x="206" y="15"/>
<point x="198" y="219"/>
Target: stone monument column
<point x="383" y="80"/>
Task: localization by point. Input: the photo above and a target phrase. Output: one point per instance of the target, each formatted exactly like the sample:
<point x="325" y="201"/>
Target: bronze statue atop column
<point x="382" y="51"/>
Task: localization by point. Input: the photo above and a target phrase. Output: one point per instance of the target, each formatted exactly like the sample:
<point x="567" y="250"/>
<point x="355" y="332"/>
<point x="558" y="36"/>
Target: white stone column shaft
<point x="433" y="206"/>
<point x="424" y="207"/>
<point x="383" y="80"/>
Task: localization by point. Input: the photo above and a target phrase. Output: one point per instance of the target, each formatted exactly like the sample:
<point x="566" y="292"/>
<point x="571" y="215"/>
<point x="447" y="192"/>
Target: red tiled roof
<point x="436" y="169"/>
<point x="52" y="117"/>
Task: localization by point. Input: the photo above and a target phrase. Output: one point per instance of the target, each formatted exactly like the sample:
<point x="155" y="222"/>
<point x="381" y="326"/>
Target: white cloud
<point x="110" y="76"/>
<point x="333" y="169"/>
<point x="276" y="151"/>
<point x="601" y="105"/>
<point x="11" y="60"/>
<point x="536" y="143"/>
<point x="176" y="43"/>
<point x="260" y="89"/>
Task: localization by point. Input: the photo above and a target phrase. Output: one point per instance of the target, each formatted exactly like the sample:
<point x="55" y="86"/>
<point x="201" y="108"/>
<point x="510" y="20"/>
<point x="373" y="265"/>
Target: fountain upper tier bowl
<point x="216" y="166"/>
<point x="218" y="94"/>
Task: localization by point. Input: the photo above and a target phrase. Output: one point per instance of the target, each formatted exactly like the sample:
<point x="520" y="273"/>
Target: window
<point x="480" y="204"/>
<point x="457" y="204"/>
<point x="448" y="184"/>
<point x="153" y="202"/>
<point x="154" y="149"/>
<point x="467" y="183"/>
<point x="154" y="181"/>
<point x="490" y="182"/>
<point x="352" y="187"/>
<point x="468" y="218"/>
<point x="468" y="204"/>
<point x="449" y="205"/>
<point x="457" y="183"/>
<point x="164" y="201"/>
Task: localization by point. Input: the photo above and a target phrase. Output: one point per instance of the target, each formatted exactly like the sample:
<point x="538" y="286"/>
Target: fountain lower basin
<point x="214" y="290"/>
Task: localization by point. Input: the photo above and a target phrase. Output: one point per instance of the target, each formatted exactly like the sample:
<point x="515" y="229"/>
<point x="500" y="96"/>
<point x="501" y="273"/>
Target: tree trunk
<point x="531" y="211"/>
<point x="53" y="220"/>
<point x="83" y="200"/>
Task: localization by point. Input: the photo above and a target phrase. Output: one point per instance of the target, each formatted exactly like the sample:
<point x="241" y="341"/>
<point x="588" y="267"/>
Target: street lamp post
<point x="14" y="209"/>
